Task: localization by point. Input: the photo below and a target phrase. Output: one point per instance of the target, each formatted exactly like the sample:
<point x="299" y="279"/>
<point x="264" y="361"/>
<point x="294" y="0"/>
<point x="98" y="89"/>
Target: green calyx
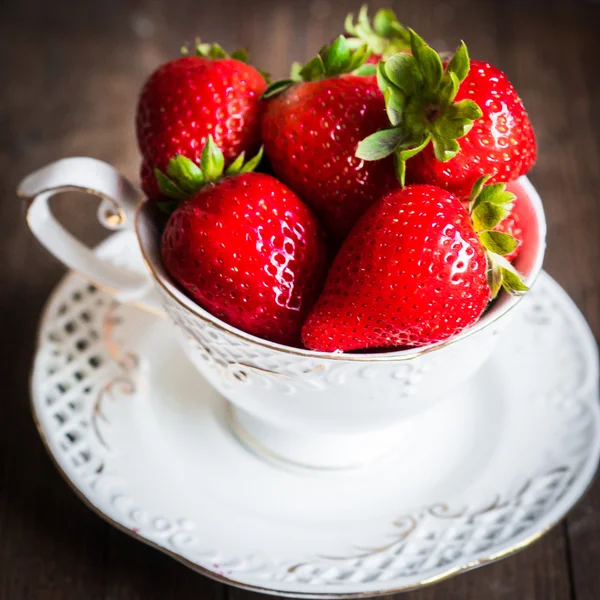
<point x="489" y="205"/>
<point x="385" y="37"/>
<point x="419" y="96"/>
<point x="215" y="51"/>
<point x="183" y="176"/>
<point x="332" y="60"/>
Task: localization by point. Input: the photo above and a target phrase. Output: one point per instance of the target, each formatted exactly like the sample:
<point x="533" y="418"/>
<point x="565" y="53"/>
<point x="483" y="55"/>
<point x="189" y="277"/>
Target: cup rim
<point x="493" y="315"/>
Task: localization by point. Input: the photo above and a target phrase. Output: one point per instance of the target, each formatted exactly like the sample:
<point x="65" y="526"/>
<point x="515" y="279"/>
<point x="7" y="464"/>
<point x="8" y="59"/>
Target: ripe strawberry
<point x="148" y="179"/>
<point x="244" y="246"/>
<point x="311" y="126"/>
<point x="413" y="271"/>
<point x="191" y="97"/>
<point x="432" y="105"/>
<point x="384" y="38"/>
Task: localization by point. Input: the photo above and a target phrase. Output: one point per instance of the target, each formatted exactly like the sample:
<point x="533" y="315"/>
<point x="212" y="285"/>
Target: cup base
<point x="327" y="452"/>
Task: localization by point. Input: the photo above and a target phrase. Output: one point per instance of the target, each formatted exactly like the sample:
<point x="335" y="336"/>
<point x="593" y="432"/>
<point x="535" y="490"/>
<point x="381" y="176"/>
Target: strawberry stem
<point x="332" y="60"/>
<point x="385" y="37"/>
<point x="215" y="51"/>
<point x="420" y="101"/>
<point x="489" y="205"/>
<point x="184" y="177"/>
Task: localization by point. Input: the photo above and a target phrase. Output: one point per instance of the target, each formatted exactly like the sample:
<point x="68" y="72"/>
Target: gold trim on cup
<point x="398" y="356"/>
<point x="117" y="218"/>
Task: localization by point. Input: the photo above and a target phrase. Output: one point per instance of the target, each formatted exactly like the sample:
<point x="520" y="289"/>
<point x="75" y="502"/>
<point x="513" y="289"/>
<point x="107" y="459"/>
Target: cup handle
<point x="116" y="212"/>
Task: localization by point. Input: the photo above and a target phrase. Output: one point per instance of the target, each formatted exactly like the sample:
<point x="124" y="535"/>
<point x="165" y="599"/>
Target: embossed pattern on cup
<point x="312" y="408"/>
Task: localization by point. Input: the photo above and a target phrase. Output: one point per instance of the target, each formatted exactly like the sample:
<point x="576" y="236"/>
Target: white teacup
<point x="307" y="408"/>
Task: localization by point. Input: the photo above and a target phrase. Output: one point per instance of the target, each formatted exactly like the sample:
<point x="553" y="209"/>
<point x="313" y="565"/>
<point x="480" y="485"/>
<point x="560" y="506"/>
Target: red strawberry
<point x="384" y="38"/>
<point x="432" y="105"/>
<point x="411" y="272"/>
<point x="149" y="183"/>
<point x="416" y="269"/>
<point x="191" y="97"/>
<point x="311" y="129"/>
<point x="244" y="247"/>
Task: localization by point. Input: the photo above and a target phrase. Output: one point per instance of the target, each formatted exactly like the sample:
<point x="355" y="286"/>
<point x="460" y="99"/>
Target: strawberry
<point x="149" y="183"/>
<point x="416" y="269"/>
<point x="431" y="105"/>
<point x="384" y="38"/>
<point x="311" y="127"/>
<point x="190" y="97"/>
<point x="243" y="246"/>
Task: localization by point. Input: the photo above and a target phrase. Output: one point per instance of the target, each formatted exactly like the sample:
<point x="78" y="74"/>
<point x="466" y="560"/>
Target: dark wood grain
<point x="71" y="74"/>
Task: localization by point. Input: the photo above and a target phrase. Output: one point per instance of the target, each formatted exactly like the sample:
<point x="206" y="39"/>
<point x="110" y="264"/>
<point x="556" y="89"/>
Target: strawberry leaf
<point x="355" y="63"/>
<point x="313" y="70"/>
<point x="331" y="61"/>
<point x="337" y="58"/>
<point x="459" y="64"/>
<point x="393" y="107"/>
<point x="253" y="162"/>
<point x="410" y="149"/>
<point x="385" y="37"/>
<point x="241" y="54"/>
<point x="365" y="70"/>
<point x="452" y="129"/>
<point x="428" y="60"/>
<point x="168" y="187"/>
<point x="405" y="151"/>
<point x="402" y="70"/>
<point x="512" y="282"/>
<point x="509" y="278"/>
<point x="445" y="148"/>
<point x="211" y="160"/>
<point x="383" y="80"/>
<point x="379" y="144"/>
<point x="448" y="88"/>
<point x="186" y="173"/>
<point x="295" y="71"/>
<point x="277" y="88"/>
<point x="494" y="277"/>
<point x="466" y="109"/>
<point x="487" y="215"/>
<point x="478" y="186"/>
<point x="501" y="274"/>
<point x="400" y="168"/>
<point x="383" y="22"/>
<point x="215" y="51"/>
<point x="496" y="193"/>
<point x="236" y="166"/>
<point x="498" y="242"/>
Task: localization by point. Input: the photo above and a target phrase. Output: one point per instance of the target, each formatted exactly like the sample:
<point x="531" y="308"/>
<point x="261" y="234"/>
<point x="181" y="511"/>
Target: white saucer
<point x="145" y="442"/>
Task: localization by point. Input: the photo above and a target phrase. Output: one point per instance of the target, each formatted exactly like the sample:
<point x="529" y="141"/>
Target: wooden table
<point x="71" y="72"/>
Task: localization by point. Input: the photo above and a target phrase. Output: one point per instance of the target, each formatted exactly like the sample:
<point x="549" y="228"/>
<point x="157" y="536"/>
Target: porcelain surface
<point x="146" y="441"/>
<point x="311" y="409"/>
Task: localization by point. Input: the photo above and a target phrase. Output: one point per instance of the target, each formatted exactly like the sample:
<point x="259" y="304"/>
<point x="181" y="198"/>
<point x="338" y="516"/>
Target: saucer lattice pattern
<point x="81" y="366"/>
